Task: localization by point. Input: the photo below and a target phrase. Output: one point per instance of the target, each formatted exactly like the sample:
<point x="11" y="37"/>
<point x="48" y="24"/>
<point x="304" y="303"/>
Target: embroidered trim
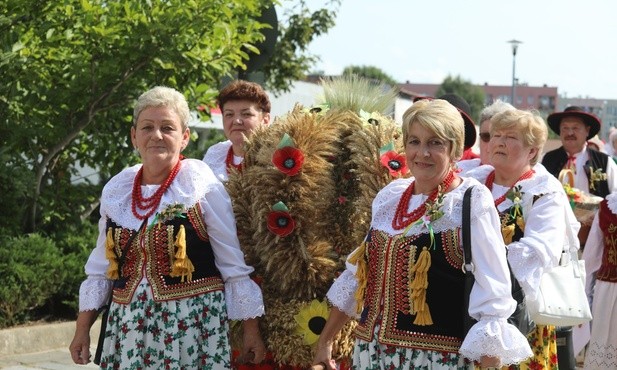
<point x="195" y="217"/>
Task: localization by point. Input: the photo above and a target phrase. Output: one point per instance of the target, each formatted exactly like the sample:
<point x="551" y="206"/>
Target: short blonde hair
<point x="440" y="117"/>
<point x="530" y="124"/>
<point x="161" y="96"/>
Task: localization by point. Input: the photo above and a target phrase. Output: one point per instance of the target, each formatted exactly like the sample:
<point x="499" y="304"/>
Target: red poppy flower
<point x="288" y="160"/>
<point x="395" y="163"/>
<point x="281" y="223"/>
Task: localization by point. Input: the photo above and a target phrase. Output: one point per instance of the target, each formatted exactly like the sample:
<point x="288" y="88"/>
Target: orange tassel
<point x="358" y="258"/>
<point x="418" y="287"/>
<point x="112" y="270"/>
<point x="182" y="265"/>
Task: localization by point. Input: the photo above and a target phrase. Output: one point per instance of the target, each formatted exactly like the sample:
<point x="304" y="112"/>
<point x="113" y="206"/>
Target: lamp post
<point x="515" y="44"/>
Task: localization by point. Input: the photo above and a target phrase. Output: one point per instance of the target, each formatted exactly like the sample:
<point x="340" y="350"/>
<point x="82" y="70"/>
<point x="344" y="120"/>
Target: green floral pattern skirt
<point x="188" y="333"/>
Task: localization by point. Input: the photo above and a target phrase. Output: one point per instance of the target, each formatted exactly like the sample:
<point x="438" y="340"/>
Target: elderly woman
<point x="245" y="106"/>
<point x="168" y="256"/>
<point x="533" y="209"/>
<point x="485" y="136"/>
<point x="406" y="281"/>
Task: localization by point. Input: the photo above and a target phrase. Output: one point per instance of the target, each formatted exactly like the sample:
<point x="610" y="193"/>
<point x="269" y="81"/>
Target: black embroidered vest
<point x="390" y="261"/>
<point x="151" y="255"/>
<point x="555" y="160"/>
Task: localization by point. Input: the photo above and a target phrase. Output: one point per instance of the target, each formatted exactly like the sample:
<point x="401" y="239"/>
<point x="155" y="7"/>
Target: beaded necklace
<point x="402" y="218"/>
<point x="229" y="161"/>
<point x="491" y="178"/>
<point x="151" y="203"/>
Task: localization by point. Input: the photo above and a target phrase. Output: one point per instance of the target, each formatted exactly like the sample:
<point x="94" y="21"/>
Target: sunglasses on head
<point x="485" y="136"/>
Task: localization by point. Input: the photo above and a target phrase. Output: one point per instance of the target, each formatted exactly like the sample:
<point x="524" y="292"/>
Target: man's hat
<point x="554" y="120"/>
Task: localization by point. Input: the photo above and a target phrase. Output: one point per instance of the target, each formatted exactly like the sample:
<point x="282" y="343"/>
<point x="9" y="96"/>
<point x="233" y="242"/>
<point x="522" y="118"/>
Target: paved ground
<point x="44" y="346"/>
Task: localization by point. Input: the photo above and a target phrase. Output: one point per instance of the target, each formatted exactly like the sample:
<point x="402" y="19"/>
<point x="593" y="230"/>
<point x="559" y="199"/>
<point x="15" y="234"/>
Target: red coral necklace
<point x="402" y="218"/>
<point x="151" y="203"/>
<point x="229" y="161"/>
<point x="491" y="178"/>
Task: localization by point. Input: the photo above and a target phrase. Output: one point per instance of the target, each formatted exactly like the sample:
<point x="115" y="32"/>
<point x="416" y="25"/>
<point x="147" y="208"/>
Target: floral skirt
<point x="375" y="356"/>
<point x="188" y="333"/>
<point x="543" y="343"/>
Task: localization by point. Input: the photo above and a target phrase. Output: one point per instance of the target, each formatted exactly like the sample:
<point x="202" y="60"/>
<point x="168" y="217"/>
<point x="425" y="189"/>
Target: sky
<point x="571" y="45"/>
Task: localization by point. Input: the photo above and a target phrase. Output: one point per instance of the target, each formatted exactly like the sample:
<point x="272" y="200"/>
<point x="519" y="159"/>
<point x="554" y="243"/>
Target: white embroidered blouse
<point x="195" y="183"/>
<point x="490" y="302"/>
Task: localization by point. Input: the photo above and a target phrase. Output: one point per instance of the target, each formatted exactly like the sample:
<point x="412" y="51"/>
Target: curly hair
<point x="244" y="90"/>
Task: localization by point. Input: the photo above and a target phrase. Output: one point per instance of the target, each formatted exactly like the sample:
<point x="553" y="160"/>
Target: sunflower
<point x="311" y="320"/>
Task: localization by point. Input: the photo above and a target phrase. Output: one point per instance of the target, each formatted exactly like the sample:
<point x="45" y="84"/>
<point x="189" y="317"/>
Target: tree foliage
<point x="298" y="28"/>
<point x="72" y="69"/>
<point x="371" y="73"/>
<point x="474" y="95"/>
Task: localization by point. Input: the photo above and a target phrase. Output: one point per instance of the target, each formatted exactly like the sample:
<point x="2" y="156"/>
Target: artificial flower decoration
<point x="516" y="196"/>
<point x="369" y="118"/>
<point x="280" y="221"/>
<point x="394" y="162"/>
<point x="433" y="213"/>
<point x="595" y="176"/>
<point x="169" y="213"/>
<point x="311" y="320"/>
<point x="317" y="109"/>
<point x="287" y="158"/>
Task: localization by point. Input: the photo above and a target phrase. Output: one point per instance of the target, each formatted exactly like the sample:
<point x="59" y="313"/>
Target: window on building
<point x="530" y="100"/>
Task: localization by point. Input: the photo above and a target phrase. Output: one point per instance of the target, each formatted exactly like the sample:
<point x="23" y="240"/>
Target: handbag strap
<point x="467" y="265"/>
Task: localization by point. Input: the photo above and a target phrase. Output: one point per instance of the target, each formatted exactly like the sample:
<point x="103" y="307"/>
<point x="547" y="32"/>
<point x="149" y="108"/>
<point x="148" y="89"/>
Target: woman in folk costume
<point x="405" y="281"/>
<point x="533" y="209"/>
<point x="302" y="203"/>
<point x="244" y="106"/>
<point x="600" y="257"/>
<point x="168" y="255"/>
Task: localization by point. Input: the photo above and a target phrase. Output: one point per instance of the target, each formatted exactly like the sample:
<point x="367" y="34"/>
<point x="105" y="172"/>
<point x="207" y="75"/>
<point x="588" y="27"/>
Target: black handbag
<point x="520" y="317"/>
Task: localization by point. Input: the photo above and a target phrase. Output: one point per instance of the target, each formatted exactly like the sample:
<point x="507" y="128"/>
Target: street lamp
<point x="515" y="44"/>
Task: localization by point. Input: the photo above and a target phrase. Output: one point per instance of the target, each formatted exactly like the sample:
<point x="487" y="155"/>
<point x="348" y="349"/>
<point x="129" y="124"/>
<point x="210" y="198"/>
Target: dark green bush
<point x="75" y="244"/>
<point x="31" y="272"/>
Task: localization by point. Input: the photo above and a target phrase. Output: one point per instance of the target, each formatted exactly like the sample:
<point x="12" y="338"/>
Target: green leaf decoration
<point x="285" y="141"/>
<point x="386" y="148"/>
<point x="280" y="206"/>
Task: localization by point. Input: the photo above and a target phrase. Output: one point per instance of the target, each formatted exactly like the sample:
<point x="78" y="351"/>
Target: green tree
<point x="72" y="69"/>
<point x="298" y="28"/>
<point x="371" y="73"/>
<point x="473" y="94"/>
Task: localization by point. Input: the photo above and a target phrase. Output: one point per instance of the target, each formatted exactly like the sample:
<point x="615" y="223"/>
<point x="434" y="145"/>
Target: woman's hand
<point x="490" y="361"/>
<point x="323" y="357"/>
<point x="252" y="342"/>
<point x="80" y="345"/>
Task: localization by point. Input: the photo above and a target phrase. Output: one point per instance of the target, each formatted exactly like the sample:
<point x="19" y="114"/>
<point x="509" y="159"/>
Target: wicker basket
<point x="585" y="208"/>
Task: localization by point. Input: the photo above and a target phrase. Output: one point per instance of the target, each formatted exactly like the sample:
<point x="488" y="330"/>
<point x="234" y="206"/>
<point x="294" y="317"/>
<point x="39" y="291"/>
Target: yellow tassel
<point x="358" y="258"/>
<point x="112" y="270"/>
<point x="182" y="265"/>
<point x="418" y="286"/>
<point x="507" y="232"/>
<point x="520" y="221"/>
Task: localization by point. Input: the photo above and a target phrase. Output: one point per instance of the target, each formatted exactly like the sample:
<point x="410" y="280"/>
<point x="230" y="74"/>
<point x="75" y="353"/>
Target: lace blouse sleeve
<point x="95" y="290"/>
<point x="243" y="296"/>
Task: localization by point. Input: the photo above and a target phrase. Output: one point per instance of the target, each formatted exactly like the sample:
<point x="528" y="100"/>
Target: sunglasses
<point x="485" y="137"/>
